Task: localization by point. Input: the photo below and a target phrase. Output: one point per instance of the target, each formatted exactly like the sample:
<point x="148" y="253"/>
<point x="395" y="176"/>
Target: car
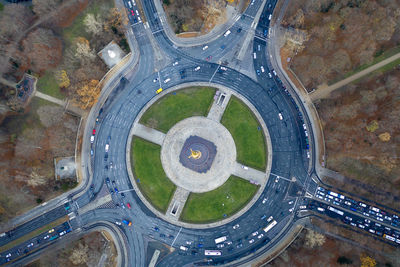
<point x="208" y="58"/>
<point x="92" y="139"/>
<point x="137" y="12"/>
<point x="270" y="17"/>
<point x="262" y="69"/>
<point x="106" y="147"/>
<point x="122" y="195"/>
<point x="254" y="55"/>
<point x="128" y="205"/>
<point x="308" y="154"/>
<point x="175" y="63"/>
<point x="265" y="32"/>
<point x="29" y="245"/>
<point x="92" y="187"/>
<point x="189" y="242"/>
<point x="221" y="245"/>
<point x="91" y="152"/>
<point x="254" y="233"/>
<point x="228" y="243"/>
<point x="93" y="131"/>
<point x="264" y="200"/>
<point x="167" y="80"/>
<point x="239" y="30"/>
<point x="51" y="231"/>
<point x="303" y="207"/>
<point x="155" y="80"/>
<point x="156" y="229"/>
<point x="222" y="47"/>
<point x="133" y="13"/>
<point x="260" y="236"/>
<point x="107" y="180"/>
<point x="227" y="33"/>
<point x="197" y="68"/>
<point x="122" y="205"/>
<point x="118" y="223"/>
<point x="116" y="190"/>
<point x="274" y="72"/>
<point x="236" y="226"/>
<point x="63" y="233"/>
<point x="46" y="237"/>
<point x="239" y="245"/>
<point x="159" y="91"/>
<point x="113" y="183"/>
<point x="290" y="202"/>
<point x="223" y="68"/>
<point x="183" y="74"/>
<point x="183" y="248"/>
<point x="258" y="72"/>
<point x="379" y="219"/>
<point x="162" y="235"/>
<point x="251" y="241"/>
<point x="263" y="217"/>
<point x="205" y="47"/>
<point x="111" y="165"/>
<point x="8" y="255"/>
<point x="280" y="116"/>
<point x="200" y="245"/>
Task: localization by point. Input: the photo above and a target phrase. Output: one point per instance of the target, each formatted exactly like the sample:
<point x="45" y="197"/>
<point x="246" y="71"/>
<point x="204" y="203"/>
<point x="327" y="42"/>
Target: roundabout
<point x="198" y="155"/>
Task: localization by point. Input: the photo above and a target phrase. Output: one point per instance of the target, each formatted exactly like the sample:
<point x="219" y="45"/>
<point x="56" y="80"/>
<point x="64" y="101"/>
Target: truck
<point x="220" y="239"/>
<point x="127" y="222"/>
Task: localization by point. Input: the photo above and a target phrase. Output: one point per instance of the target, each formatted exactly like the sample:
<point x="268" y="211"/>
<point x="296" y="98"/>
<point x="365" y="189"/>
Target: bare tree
<point x="13" y="20"/>
<point x="94" y="25"/>
<point x="43" y="7"/>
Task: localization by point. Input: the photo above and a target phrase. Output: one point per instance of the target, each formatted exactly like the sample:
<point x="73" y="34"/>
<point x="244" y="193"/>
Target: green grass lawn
<point x="153" y="182"/>
<point x="207" y="207"/>
<point x="249" y="141"/>
<point x="172" y="108"/>
<point x="1" y="7"/>
<point x="47" y="84"/>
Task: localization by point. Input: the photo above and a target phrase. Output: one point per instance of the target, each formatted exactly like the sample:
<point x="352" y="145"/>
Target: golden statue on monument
<point x="195" y="154"/>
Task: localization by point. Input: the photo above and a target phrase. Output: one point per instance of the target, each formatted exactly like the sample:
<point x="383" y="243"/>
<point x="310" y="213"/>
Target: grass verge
<point x="211" y="206"/>
<point x="151" y="178"/>
<point x="47" y="84"/>
<point x="33" y="234"/>
<point x="176" y="106"/>
<point x="247" y="133"/>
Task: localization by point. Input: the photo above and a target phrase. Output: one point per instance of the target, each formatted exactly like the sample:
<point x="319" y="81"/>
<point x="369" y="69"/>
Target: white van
<point x="254" y="55"/>
<point x="129" y="4"/>
<point x="227" y="33"/>
<point x="167" y="80"/>
<point x="183" y="248"/>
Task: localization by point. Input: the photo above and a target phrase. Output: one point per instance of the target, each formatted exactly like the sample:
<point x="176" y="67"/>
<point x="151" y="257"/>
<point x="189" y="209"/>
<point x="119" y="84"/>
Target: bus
<point x="336" y="210"/>
<point x="212" y="252"/>
<point x="220" y="239"/>
<point x="389" y="237"/>
<point x="269" y="226"/>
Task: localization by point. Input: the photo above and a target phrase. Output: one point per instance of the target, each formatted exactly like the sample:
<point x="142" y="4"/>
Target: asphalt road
<point x="280" y="107"/>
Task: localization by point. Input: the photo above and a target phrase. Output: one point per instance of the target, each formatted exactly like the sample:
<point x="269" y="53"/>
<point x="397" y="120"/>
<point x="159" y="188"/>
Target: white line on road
<point x="280" y="177"/>
<point x="214" y="73"/>
<point x="157" y="31"/>
<point x="176" y="236"/>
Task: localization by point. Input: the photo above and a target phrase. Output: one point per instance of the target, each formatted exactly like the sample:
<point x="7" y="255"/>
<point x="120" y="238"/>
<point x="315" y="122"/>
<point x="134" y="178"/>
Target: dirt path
<point x="325" y="90"/>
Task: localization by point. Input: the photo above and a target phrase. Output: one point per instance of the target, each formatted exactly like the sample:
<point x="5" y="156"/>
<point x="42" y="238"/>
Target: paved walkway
<point x="148" y="134"/>
<point x="94" y="204"/>
<point x="177" y="203"/>
<point x="60" y="102"/>
<point x="325" y="90"/>
<point x="217" y="109"/>
<point x="249" y="174"/>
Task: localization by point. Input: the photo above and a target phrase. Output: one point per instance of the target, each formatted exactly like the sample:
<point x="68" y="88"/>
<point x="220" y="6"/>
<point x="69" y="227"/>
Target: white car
<point x="155" y="80"/>
<point x="63" y="233"/>
<point x="205" y="47"/>
<point x="227" y="33"/>
<point x="46" y="237"/>
<point x="183" y="248"/>
<point x="280" y="116"/>
<point x="8" y="255"/>
<point x="175" y="63"/>
<point x="107" y="147"/>
<point x="274" y="72"/>
<point x="270" y="75"/>
<point x="304" y="126"/>
<point x="260" y="236"/>
<point x="118" y="223"/>
<point x="236" y="226"/>
<point x="167" y="80"/>
<point x="262" y="69"/>
<point x="264" y="200"/>
<point x="251" y="241"/>
<point x="197" y="68"/>
<point x="255" y="233"/>
<point x="303" y="207"/>
<point x="92" y="139"/>
<point x="223" y="68"/>
<point x="308" y="154"/>
<point x="137" y="12"/>
<point x="189" y="242"/>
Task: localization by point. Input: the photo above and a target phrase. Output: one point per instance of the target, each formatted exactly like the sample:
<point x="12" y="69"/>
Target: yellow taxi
<point x="159" y="91"/>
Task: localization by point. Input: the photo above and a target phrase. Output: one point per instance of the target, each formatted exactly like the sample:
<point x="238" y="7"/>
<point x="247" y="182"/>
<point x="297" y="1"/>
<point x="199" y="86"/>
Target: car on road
<point x="107" y="147"/>
<point x="159" y="91"/>
<point x="274" y="72"/>
<point x="167" y="80"/>
<point x="280" y="116"/>
<point x="222" y="46"/>
<point x="122" y="205"/>
<point x="239" y="30"/>
<point x="208" y="58"/>
<point x="258" y="72"/>
<point x="239" y="245"/>
<point x="118" y="223"/>
<point x="236" y="226"/>
<point x="254" y="233"/>
<point x="205" y="47"/>
<point x="220" y="245"/>
<point x="262" y="69"/>
<point x="251" y="241"/>
<point x="197" y="68"/>
<point x="270" y="75"/>
<point x="122" y="195"/>
<point x="260" y="236"/>
<point x="51" y="231"/>
<point x="46" y="237"/>
<point x="29" y="245"/>
<point x="175" y="63"/>
<point x="227" y="33"/>
<point x="8" y="255"/>
<point x="116" y="190"/>
<point x="92" y="139"/>
<point x="94" y="132"/>
<point x="264" y="200"/>
<point x="155" y="80"/>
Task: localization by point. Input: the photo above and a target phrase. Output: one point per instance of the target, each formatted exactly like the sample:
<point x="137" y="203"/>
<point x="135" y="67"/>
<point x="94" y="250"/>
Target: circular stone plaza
<point x="199" y="156"/>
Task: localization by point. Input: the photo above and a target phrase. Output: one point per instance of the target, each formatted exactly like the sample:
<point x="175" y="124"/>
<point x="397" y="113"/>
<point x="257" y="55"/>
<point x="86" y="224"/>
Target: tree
<point x="314" y="239"/>
<point x="344" y="260"/>
<point x="93" y="25"/>
<point x="42" y="50"/>
<point x="62" y="79"/>
<point x="79" y="255"/>
<point x="117" y="20"/>
<point x="88" y="94"/>
<point x="43" y="7"/>
<point x="83" y="51"/>
<point x="14" y="20"/>
<point x="367" y="261"/>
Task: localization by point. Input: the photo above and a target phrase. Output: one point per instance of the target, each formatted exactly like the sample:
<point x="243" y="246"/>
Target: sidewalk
<point x="325" y="90"/>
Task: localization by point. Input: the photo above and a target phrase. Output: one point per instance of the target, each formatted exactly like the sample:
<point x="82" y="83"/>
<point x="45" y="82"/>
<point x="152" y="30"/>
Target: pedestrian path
<point x="325" y="90"/>
<point x="250" y="174"/>
<point x="177" y="203"/>
<point x="149" y="134"/>
<point x="218" y="107"/>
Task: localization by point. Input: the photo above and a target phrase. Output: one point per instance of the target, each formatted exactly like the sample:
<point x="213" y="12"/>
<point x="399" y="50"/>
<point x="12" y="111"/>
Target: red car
<point x="128" y="205"/>
<point x="133" y="13"/>
<point x="94" y="131"/>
